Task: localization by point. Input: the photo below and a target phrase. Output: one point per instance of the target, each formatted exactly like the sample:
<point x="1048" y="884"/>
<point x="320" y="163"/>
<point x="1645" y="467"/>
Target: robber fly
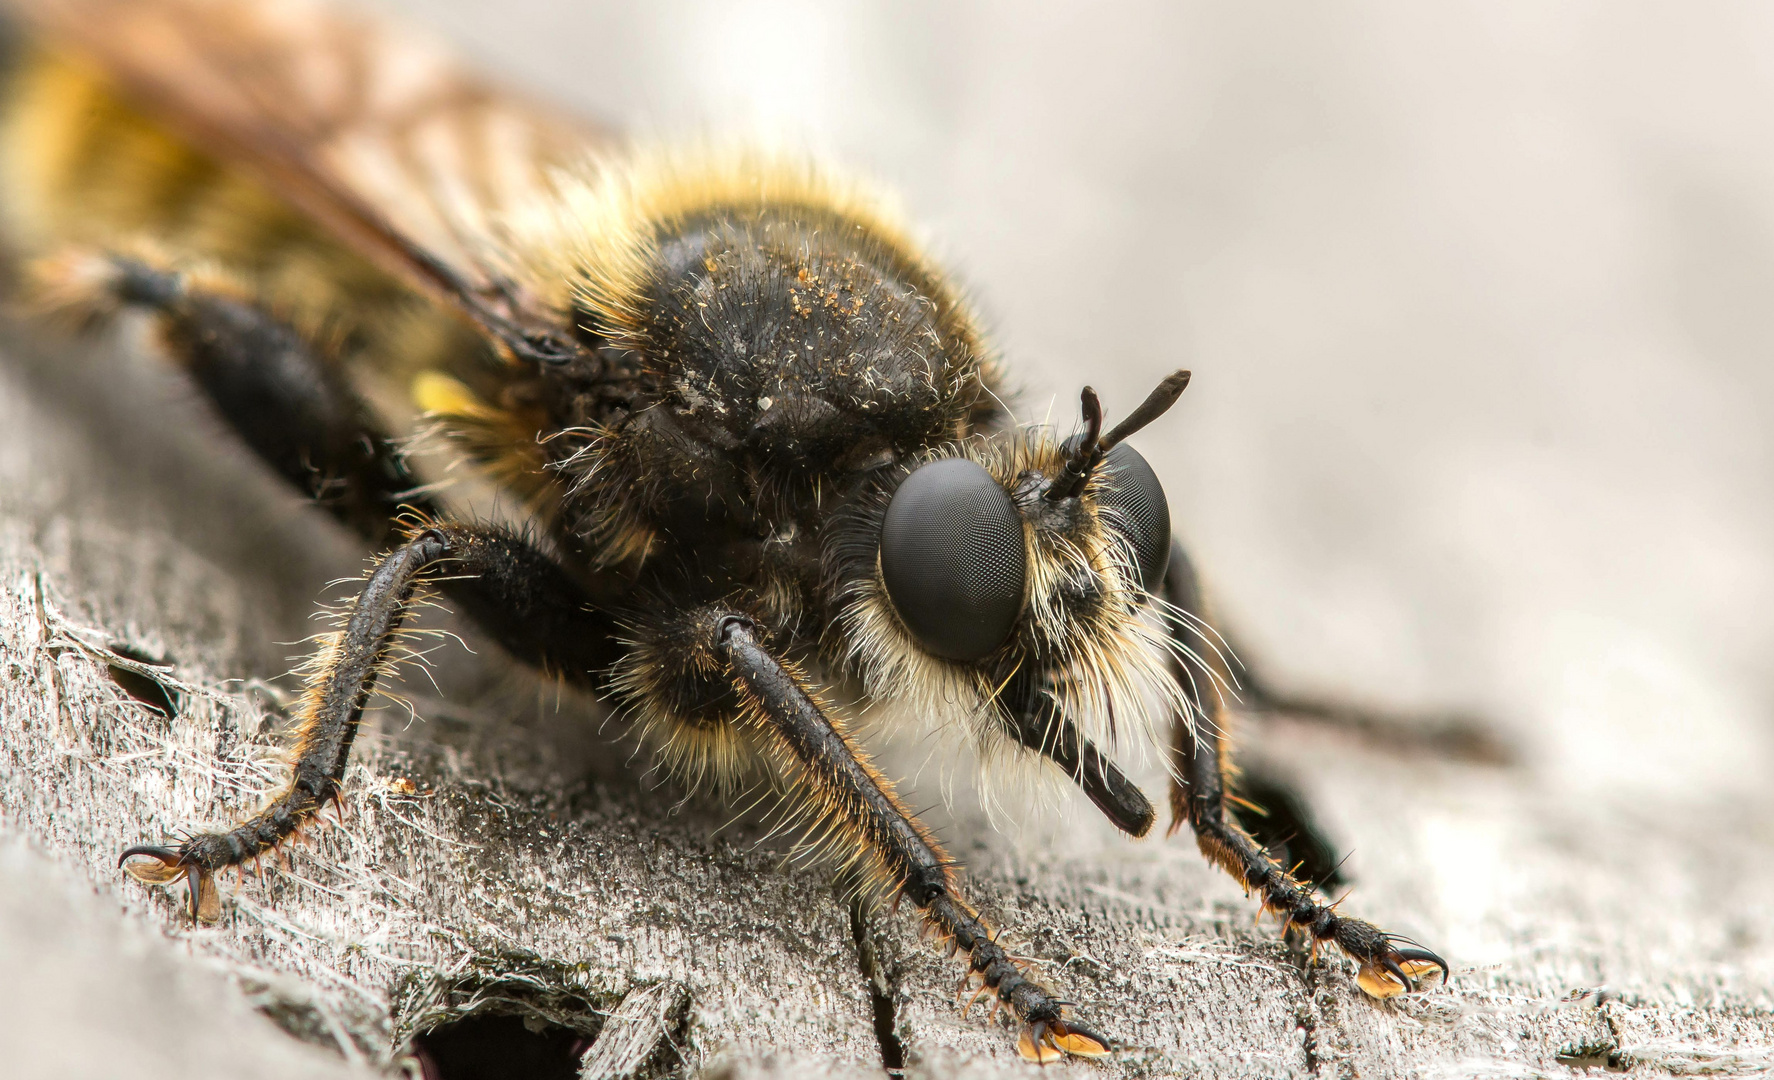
<point x="757" y="433"/>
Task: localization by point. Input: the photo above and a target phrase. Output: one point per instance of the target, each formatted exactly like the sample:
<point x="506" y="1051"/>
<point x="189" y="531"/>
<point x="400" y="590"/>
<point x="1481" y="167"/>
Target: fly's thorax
<point x="955" y="575"/>
<point x="780" y="364"/>
<point x="780" y="337"/>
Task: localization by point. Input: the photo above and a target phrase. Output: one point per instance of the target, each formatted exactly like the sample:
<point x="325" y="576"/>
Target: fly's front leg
<point x="331" y="710"/>
<point x="1389" y="965"/>
<point x="713" y="661"/>
<point x="527" y="602"/>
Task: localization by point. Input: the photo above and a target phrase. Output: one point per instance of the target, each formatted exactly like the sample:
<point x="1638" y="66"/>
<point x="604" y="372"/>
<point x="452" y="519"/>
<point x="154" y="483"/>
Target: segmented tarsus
<point x="342" y="676"/>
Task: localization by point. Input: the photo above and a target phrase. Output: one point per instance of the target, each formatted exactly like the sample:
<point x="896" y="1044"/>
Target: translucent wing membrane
<point x="377" y="135"/>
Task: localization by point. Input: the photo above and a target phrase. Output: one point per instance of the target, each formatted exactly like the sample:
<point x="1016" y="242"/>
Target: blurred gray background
<point x="1476" y="295"/>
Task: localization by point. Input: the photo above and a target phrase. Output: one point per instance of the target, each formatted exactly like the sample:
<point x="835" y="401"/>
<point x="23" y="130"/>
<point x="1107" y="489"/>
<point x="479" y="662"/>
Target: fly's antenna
<point x="1088" y="452"/>
<point x="1084" y="455"/>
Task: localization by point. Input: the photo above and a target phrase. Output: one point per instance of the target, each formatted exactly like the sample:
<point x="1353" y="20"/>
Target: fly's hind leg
<point x="533" y="607"/>
<point x="1389" y="965"/>
<point x="1454" y="736"/>
<point x="281" y="392"/>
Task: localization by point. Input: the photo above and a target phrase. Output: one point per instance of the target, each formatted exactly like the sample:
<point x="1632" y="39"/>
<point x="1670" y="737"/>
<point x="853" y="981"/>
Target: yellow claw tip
<point x="1377" y="982"/>
<point x="1041" y="1053"/>
<point x="1080" y="1045"/>
<point x="209" y="900"/>
<point x="1416" y="969"/>
<point x="1044" y="1044"/>
<point x="153" y="871"/>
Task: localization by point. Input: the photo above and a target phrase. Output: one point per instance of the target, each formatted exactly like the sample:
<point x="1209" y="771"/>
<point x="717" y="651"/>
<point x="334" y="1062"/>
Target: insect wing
<point x="377" y="134"/>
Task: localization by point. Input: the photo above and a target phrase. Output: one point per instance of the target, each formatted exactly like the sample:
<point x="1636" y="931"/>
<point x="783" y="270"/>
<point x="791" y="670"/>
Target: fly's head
<point x="1009" y="583"/>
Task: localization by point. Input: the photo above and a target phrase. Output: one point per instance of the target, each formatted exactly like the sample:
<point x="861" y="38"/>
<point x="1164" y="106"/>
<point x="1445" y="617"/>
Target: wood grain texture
<point x="531" y="863"/>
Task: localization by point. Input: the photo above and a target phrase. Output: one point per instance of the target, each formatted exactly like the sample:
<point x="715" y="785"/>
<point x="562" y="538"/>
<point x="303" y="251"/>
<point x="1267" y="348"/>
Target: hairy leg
<point x="291" y="405"/>
<point x="710" y="671"/>
<point x="534" y="608"/>
<point x="1389" y="964"/>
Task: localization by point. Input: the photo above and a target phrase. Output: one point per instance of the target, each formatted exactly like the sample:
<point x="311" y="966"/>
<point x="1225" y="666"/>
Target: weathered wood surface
<point x="506" y="848"/>
<point x="475" y="865"/>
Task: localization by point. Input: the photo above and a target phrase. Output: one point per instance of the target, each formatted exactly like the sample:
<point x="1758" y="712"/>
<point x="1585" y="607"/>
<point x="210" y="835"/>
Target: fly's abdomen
<point x="81" y="168"/>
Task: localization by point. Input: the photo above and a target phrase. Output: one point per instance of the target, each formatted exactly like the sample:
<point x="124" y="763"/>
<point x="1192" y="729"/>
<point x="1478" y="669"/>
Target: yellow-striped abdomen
<point x="82" y="168"/>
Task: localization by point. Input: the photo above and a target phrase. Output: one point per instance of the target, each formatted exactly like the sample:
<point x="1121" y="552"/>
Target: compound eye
<point x="953" y="559"/>
<point x="1141" y="513"/>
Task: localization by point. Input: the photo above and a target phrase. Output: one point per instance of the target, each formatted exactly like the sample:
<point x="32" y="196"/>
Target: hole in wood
<point x="143" y="688"/>
<point x="500" y="1047"/>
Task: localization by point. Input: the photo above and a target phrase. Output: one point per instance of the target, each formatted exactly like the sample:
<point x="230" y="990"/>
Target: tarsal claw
<point x="153" y="865"/>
